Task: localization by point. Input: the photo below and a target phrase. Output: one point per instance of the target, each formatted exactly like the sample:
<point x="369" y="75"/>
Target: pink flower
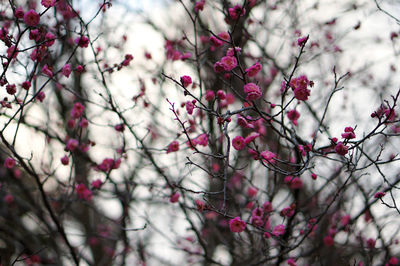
<point x="302" y="41"/>
<point x="349" y="133"/>
<point x="252" y="192"/>
<point x="253" y="91"/>
<point x="83" y="192"/>
<point x="19" y="12"/>
<point x="9" y="163"/>
<point x="47" y="71"/>
<point x="48" y="3"/>
<point x="254" y="69"/>
<point x="268" y="156"/>
<point x="215" y="41"/>
<point x="219" y="67"/>
<point x="238" y="143"/>
<point x="371" y="243"/>
<point x="379" y="195"/>
<point x="11" y="89"/>
<point x="201" y="140"/>
<point x="236" y="11"/>
<point x="40" y="96"/>
<point x="341" y="149"/>
<point x="393" y="261"/>
<point x="189" y="107"/>
<point x="299" y="86"/>
<point x="267" y="207"/>
<point x="200" y="205"/>
<point x="229" y="63"/>
<point x="279" y="230"/>
<point x="199" y="6"/>
<point x="77" y="110"/>
<point x="80" y="69"/>
<point x="65" y="160"/>
<point x="31" y="18"/>
<point x="26" y="85"/>
<point x="287" y="212"/>
<point x="328" y="241"/>
<point x="186" y="81"/>
<point x="291" y="262"/>
<point x="231" y="51"/>
<point x="174" y="197"/>
<point x="82" y="41"/>
<point x="50" y="39"/>
<point x="96" y="184"/>
<point x="66" y="70"/>
<point x="72" y="144"/>
<point x="119" y="127"/>
<point x="345" y="220"/>
<point x="173" y="146"/>
<point x="9" y="199"/>
<point x="210" y="95"/>
<point x="109" y="164"/>
<point x="251" y="137"/>
<point x="237" y="225"/>
<point x="257" y="221"/>
<point x="293" y="115"/>
<point x="221" y="94"/>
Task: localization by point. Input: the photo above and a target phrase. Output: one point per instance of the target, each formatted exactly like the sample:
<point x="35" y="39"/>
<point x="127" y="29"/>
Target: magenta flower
<point x="253" y="91"/>
<point x="237" y="225"/>
<point x="238" y="143"/>
<point x="279" y="230"/>
<point x="341" y="149"/>
<point x="31" y="18"/>
<point x="229" y="63"/>
<point x="254" y="69"/>
<point x="173" y="146"/>
<point x="186" y="81"/>
<point x="299" y="87"/>
<point x="9" y="163"/>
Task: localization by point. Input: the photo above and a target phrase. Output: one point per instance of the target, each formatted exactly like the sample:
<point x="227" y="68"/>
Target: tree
<point x="265" y="133"/>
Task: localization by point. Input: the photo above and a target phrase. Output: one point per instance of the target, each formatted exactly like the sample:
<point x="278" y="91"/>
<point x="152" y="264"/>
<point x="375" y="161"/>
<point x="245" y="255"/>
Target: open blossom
<point x="293" y="115"/>
<point x="47" y="71"/>
<point x="173" y="146"/>
<point x="31" y="18"/>
<point x="77" y="110"/>
<point x="174" y="197"/>
<point x="299" y="87"/>
<point x="279" y="230"/>
<point x="96" y="184"/>
<point x="253" y="91"/>
<point x="82" y="41"/>
<point x="341" y="149"/>
<point x="236" y="11"/>
<point x="48" y="3"/>
<point x="201" y="140"/>
<point x="190" y="106"/>
<point x="210" y="95"/>
<point x="349" y="133"/>
<point x="66" y="70"/>
<point x="9" y="163"/>
<point x="186" y="81"/>
<point x="238" y="143"/>
<point x="199" y="6"/>
<point x="83" y="192"/>
<point x="72" y="144"/>
<point x="237" y="225"/>
<point x="268" y="156"/>
<point x="229" y="63"/>
<point x="251" y="137"/>
<point x="254" y="69"/>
